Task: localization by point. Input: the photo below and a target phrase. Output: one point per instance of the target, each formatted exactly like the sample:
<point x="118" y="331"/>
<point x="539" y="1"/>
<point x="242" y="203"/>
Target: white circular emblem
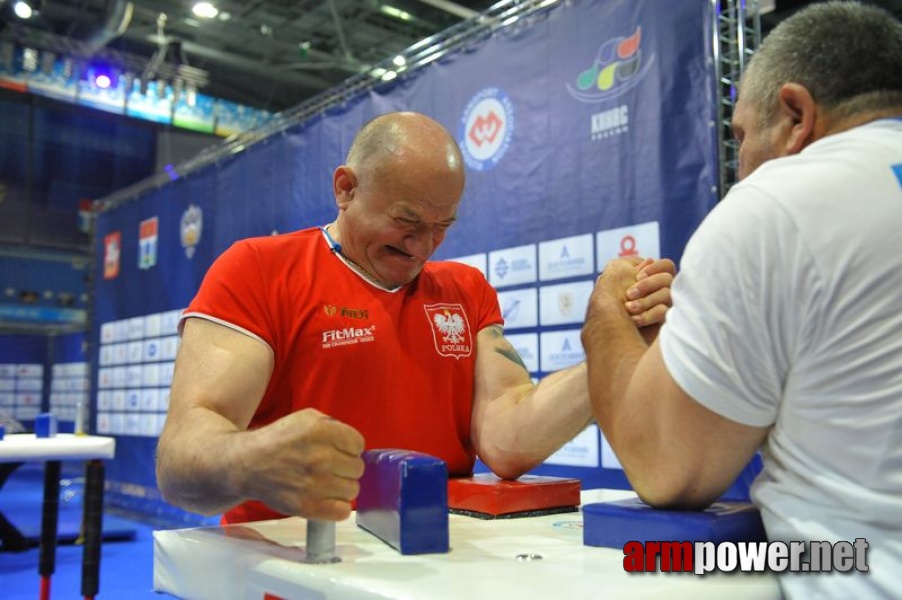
<point x="190" y="228"/>
<point x="486" y="129"/>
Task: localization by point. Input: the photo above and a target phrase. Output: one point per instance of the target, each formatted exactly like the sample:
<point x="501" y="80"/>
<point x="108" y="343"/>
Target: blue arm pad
<point x="403" y="500"/>
<point x="613" y="524"/>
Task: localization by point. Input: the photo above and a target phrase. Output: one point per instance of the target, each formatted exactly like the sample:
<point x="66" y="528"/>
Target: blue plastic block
<point x="46" y="425"/>
<point x="613" y="524"/>
<point x="2" y="431"/>
<point x="403" y="500"/>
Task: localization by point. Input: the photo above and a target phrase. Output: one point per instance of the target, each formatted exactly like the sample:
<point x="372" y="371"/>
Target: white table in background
<point x="26" y="447"/>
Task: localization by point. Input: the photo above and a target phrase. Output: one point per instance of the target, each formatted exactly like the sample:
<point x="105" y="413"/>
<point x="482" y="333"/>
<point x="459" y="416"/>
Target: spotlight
<point x="23" y="9"/>
<point x="205" y="10"/>
<point x="103" y="76"/>
<point x="397" y="13"/>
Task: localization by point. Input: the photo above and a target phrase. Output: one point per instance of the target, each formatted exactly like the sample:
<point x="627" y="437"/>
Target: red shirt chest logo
<point x="450" y="329"/>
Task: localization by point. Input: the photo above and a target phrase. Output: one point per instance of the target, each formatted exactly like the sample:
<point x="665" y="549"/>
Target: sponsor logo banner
<point x="486" y="129"/>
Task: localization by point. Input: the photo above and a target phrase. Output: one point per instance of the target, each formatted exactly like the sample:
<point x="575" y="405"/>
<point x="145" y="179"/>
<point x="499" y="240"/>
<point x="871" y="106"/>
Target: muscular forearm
<point x="198" y="462"/>
<point x="613" y="349"/>
<point x="635" y="412"/>
<point x="536" y="421"/>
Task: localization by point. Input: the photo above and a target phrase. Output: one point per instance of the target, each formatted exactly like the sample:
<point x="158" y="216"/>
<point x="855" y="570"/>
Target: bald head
<point x="397" y="138"/>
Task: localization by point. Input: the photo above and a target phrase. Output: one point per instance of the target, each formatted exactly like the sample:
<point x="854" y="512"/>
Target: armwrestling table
<point x="26" y="447"/>
<point x="504" y="559"/>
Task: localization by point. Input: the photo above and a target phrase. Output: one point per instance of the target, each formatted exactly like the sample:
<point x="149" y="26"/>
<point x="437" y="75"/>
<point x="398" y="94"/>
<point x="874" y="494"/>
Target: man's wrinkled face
<point x="397" y="223"/>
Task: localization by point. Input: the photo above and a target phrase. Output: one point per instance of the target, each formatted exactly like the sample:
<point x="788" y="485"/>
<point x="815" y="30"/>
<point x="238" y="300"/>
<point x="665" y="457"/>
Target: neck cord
<point x="335" y="248"/>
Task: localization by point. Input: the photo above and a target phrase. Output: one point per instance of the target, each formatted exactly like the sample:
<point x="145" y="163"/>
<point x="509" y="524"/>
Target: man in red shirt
<point x="301" y="350"/>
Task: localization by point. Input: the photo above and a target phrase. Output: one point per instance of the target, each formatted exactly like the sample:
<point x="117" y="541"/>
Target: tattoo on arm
<point x="505" y="348"/>
<point x="496" y="330"/>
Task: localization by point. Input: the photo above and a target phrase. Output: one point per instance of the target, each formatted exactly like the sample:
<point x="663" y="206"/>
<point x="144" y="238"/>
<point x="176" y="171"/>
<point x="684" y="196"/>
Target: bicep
<point x="500" y="373"/>
<point x="221" y="370"/>
<point x="698" y="453"/>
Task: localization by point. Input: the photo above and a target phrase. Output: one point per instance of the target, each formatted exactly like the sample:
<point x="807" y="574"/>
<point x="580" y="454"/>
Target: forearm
<point x="531" y="422"/>
<point x="638" y="414"/>
<point x="199" y="462"/>
<point x="626" y="426"/>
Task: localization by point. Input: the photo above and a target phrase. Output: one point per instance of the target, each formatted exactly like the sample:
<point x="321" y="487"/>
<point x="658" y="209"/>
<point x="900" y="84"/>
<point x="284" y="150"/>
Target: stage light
<point x="102" y="76"/>
<point x="23" y="10"/>
<point x="205" y="10"/>
<point x="397" y="13"/>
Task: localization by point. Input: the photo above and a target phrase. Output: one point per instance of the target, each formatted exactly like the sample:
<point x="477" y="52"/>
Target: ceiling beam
<point x="451" y="7"/>
<point x="249" y="65"/>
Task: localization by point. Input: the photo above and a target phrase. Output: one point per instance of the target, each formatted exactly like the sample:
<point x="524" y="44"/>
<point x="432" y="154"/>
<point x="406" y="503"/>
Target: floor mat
<point x="22" y="496"/>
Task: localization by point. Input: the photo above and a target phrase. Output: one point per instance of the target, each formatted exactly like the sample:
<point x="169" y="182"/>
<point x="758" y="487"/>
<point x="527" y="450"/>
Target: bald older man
<point x="302" y="350"/>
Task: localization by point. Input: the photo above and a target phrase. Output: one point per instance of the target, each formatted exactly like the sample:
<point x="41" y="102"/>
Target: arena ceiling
<point x="271" y="54"/>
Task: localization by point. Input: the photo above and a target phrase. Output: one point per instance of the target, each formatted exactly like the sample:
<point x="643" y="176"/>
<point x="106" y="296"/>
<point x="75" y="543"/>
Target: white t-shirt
<point x="787" y="311"/>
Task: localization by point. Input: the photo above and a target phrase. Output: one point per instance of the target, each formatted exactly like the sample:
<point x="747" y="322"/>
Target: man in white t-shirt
<point x="786" y="327"/>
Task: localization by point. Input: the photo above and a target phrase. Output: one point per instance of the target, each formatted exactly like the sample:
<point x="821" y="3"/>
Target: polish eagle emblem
<point x="451" y="326"/>
<point x="450" y="329"/>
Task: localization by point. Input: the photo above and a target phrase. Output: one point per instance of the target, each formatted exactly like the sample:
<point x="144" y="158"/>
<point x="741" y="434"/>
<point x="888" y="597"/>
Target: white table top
<point x="247" y="561"/>
<point x="64" y="446"/>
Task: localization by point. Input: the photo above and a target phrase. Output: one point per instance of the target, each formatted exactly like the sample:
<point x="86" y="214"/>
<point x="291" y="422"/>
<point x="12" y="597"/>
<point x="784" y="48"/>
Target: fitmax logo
<point x="348" y="333"/>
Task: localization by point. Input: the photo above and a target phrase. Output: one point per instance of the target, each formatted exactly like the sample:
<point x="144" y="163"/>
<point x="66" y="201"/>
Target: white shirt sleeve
<point x="729" y="339"/>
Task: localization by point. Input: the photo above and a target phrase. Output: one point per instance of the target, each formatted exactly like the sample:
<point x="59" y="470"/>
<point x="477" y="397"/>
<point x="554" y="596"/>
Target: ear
<point x="344" y="183"/>
<point x="799" y="110"/>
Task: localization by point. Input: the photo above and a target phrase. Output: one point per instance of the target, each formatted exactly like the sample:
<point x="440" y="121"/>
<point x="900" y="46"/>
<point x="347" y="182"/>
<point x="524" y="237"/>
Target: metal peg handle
<point x="321" y="542"/>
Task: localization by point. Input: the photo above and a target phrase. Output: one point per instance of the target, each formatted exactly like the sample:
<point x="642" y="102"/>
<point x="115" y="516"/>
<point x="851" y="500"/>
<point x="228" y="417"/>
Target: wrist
<point x="605" y="308"/>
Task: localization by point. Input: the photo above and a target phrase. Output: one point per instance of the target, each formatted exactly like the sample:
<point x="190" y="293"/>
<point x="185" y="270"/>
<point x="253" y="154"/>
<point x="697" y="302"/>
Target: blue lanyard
<point x="333" y="245"/>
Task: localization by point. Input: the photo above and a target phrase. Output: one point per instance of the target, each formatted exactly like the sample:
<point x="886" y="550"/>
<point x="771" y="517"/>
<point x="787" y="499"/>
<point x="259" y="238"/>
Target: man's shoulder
<point x="454" y="277"/>
<point x="278" y="243"/>
<point x="450" y="268"/>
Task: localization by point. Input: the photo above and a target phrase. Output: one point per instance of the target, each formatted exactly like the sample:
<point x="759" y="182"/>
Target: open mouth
<point x="399" y="253"/>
